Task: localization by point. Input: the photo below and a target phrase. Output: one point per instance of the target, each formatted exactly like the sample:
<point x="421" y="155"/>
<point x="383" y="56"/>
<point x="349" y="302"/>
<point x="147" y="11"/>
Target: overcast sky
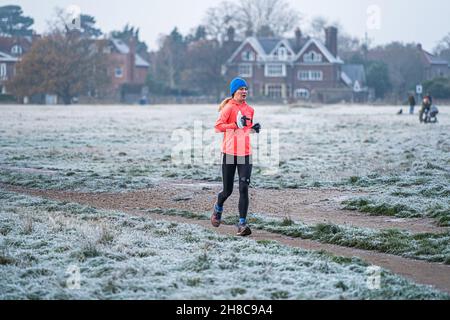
<point x="422" y="21"/>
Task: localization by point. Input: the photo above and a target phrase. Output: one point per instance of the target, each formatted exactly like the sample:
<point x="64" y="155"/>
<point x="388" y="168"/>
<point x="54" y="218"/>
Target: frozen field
<point x="405" y="165"/>
<point x="389" y="166"/>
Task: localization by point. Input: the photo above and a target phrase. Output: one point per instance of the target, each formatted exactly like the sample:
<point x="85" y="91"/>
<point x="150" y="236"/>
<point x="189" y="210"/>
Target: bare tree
<point x="218" y="19"/>
<point x="247" y="17"/>
<point x="443" y="48"/>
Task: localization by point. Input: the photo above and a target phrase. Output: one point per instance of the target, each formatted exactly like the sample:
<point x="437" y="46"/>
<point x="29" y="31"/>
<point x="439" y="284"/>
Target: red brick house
<point x="128" y="71"/>
<point x="293" y="69"/>
<point x="11" y="51"/>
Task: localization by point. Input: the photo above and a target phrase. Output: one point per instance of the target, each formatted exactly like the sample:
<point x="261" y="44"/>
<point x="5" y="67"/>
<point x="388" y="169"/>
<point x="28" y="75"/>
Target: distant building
<point x="128" y="71"/>
<point x="434" y="67"/>
<point x="11" y="51"/>
<point x="297" y="69"/>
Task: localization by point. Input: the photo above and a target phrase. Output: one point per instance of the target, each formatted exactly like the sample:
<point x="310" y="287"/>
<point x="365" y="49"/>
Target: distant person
<point x="430" y="98"/>
<point x="143" y="100"/>
<point x="236" y="122"/>
<point x="412" y="104"/>
<point x="426" y="105"/>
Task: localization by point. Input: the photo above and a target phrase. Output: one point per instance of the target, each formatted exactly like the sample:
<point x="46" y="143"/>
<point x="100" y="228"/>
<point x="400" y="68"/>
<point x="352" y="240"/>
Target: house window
<point x="312" y="57"/>
<point x="311" y="75"/>
<point x="302" y="94"/>
<point x="248" y="56"/>
<point x="303" y="75"/>
<point x="316" y="75"/>
<point x="275" y="70"/>
<point x="282" y="53"/>
<point x="3" y="71"/>
<point x="16" y="50"/>
<point x="118" y="72"/>
<point x="274" y="91"/>
<point x="245" y="70"/>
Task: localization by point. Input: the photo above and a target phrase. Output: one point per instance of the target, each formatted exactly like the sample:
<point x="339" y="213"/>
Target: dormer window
<point x="312" y="57"/>
<point x="248" y="56"/>
<point x="282" y="53"/>
<point x="16" y="50"/>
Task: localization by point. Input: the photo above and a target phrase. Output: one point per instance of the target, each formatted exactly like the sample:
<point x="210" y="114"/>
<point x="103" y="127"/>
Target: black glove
<point x="242" y="122"/>
<point x="257" y="128"/>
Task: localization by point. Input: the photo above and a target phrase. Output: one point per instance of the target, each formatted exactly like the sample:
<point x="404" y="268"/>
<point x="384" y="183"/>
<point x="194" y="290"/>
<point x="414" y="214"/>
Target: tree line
<point x="64" y="62"/>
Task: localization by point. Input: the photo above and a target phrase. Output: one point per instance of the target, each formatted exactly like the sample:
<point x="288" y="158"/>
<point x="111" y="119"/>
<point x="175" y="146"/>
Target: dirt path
<point x="309" y="206"/>
<point x="198" y="197"/>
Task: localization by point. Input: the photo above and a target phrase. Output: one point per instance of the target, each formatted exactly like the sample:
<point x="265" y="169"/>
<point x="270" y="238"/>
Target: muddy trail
<point x="307" y="205"/>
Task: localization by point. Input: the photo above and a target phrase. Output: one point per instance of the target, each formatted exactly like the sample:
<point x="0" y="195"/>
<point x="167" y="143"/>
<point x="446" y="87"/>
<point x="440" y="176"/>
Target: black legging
<point x="244" y="167"/>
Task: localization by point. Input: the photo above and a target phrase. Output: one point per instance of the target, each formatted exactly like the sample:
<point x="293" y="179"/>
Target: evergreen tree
<point x="14" y="23"/>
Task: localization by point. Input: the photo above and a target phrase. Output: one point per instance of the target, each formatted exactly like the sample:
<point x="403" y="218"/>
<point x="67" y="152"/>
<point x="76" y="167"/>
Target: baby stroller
<point x="430" y="115"/>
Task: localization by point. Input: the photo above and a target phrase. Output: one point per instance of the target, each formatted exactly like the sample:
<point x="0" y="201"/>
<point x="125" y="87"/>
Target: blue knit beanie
<point x="236" y="84"/>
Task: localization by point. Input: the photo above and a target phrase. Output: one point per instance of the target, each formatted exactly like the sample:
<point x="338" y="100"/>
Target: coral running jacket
<point x="236" y="141"/>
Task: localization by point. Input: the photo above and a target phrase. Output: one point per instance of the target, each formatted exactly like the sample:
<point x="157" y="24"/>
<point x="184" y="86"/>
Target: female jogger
<point x="236" y="122"/>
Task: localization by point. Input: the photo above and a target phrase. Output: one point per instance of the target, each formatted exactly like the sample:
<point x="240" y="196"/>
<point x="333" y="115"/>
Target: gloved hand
<point x="257" y="127"/>
<point x="241" y="121"/>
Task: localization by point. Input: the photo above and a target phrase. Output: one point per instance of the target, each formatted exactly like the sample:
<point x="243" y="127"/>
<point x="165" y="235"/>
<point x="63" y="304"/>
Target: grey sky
<point x="408" y="21"/>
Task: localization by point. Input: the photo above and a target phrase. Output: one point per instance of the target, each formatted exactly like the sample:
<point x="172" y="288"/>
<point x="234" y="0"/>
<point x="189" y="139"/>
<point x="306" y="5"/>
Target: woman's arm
<point x="222" y="124"/>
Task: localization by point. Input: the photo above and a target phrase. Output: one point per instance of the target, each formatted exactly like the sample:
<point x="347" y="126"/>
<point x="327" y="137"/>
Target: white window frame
<point x="118" y="72"/>
<point x="16" y="50"/>
<point x="303" y="75"/>
<point x="310" y="75"/>
<point x="249" y="70"/>
<point x="3" y="71"/>
<point x="282" y="53"/>
<point x="302" y="94"/>
<point x="316" y="75"/>
<point x="312" y="57"/>
<point x="268" y="72"/>
<point x="248" y="55"/>
<point x="274" y="88"/>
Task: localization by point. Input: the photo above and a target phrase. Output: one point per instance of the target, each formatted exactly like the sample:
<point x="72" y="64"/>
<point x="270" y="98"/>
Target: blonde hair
<point x="224" y="103"/>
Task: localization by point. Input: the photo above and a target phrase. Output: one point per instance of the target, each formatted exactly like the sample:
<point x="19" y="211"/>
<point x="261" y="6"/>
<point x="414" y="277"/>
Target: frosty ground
<point x="370" y="169"/>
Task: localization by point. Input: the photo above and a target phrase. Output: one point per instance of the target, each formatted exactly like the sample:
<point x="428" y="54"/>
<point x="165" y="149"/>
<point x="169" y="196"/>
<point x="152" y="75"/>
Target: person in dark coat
<point x="412" y="104"/>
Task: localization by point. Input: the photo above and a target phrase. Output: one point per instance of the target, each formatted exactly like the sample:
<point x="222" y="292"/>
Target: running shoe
<point x="216" y="217"/>
<point x="244" y="230"/>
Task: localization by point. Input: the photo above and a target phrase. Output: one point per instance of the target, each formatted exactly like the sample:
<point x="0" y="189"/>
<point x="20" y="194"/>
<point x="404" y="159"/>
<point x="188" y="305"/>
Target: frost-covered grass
<point x="120" y="148"/>
<point x="425" y="246"/>
<point x="44" y="245"/>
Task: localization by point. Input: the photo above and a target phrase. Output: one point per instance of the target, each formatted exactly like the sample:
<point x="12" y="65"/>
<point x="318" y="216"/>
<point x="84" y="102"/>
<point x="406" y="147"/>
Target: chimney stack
<point x="230" y="34"/>
<point x="298" y="37"/>
<point x="331" y="42"/>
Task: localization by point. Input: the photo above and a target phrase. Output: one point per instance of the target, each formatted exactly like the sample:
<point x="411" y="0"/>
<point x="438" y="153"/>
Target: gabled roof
<point x="265" y="46"/>
<point x="252" y="41"/>
<point x="123" y="48"/>
<point x="269" y="44"/>
<point x="354" y="72"/>
<point x="7" y="43"/>
<point x="432" y="59"/>
<point x="297" y="45"/>
<point x="4" y="57"/>
<point x="284" y="42"/>
<point x="322" y="48"/>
